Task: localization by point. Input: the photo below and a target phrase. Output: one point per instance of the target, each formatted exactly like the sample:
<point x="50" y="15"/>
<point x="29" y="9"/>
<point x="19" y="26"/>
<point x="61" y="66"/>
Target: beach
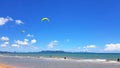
<point x="30" y="62"/>
<point x="5" y="66"/>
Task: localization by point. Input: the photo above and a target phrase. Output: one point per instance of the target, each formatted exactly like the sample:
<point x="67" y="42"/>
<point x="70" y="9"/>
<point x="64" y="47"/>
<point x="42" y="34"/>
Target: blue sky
<point x="75" y="25"/>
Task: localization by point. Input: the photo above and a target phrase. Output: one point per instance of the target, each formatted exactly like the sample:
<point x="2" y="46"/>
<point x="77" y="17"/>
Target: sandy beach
<point x="5" y="66"/>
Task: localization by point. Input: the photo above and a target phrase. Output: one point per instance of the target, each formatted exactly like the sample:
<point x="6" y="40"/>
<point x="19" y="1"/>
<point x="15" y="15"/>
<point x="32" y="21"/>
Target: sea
<point x="61" y="60"/>
<point x="78" y="56"/>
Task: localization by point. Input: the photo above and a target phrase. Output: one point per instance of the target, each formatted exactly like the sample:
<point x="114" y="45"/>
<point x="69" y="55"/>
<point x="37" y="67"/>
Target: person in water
<point x="64" y="57"/>
<point x="118" y="60"/>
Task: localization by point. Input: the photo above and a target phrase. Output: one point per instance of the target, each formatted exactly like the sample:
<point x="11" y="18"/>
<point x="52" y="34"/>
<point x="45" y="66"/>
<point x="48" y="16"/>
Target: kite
<point x="45" y="19"/>
<point x="22" y="31"/>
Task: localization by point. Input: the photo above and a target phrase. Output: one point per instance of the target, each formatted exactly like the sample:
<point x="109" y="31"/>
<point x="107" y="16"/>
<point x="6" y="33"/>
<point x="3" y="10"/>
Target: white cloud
<point x="52" y="44"/>
<point x="5" y="41"/>
<point x="24" y="42"/>
<point x="33" y="41"/>
<point x="3" y="20"/>
<point x="30" y="35"/>
<point x="18" y="22"/>
<point x="15" y="45"/>
<point x="112" y="47"/>
<point x="4" y="44"/>
<point x="4" y="38"/>
<point x="90" y="46"/>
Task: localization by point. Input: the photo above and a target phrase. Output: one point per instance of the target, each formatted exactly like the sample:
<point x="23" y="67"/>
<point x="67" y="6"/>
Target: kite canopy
<point x="22" y="31"/>
<point x="45" y="19"/>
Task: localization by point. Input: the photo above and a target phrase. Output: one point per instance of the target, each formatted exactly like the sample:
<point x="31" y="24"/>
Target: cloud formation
<point x="24" y="42"/>
<point x="15" y="45"/>
<point x="3" y="38"/>
<point x="52" y="44"/>
<point x="4" y="20"/>
<point x="90" y="46"/>
<point x="33" y="41"/>
<point x="4" y="44"/>
<point x="5" y="41"/>
<point x="112" y="47"/>
<point x="30" y="35"/>
<point x="18" y="22"/>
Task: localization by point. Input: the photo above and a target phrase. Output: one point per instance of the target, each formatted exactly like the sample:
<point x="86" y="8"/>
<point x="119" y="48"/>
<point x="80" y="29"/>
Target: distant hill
<point x="4" y="52"/>
<point x="52" y="52"/>
<point x="47" y="51"/>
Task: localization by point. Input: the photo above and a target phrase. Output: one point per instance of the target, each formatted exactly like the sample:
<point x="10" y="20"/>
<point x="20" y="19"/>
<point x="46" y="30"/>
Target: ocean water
<point x="104" y="56"/>
<point x="56" y="60"/>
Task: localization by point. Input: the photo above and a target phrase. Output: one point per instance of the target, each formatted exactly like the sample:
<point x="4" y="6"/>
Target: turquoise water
<point x="107" y="56"/>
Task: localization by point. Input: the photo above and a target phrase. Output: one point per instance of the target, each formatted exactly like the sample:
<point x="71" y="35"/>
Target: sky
<point x="74" y="25"/>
